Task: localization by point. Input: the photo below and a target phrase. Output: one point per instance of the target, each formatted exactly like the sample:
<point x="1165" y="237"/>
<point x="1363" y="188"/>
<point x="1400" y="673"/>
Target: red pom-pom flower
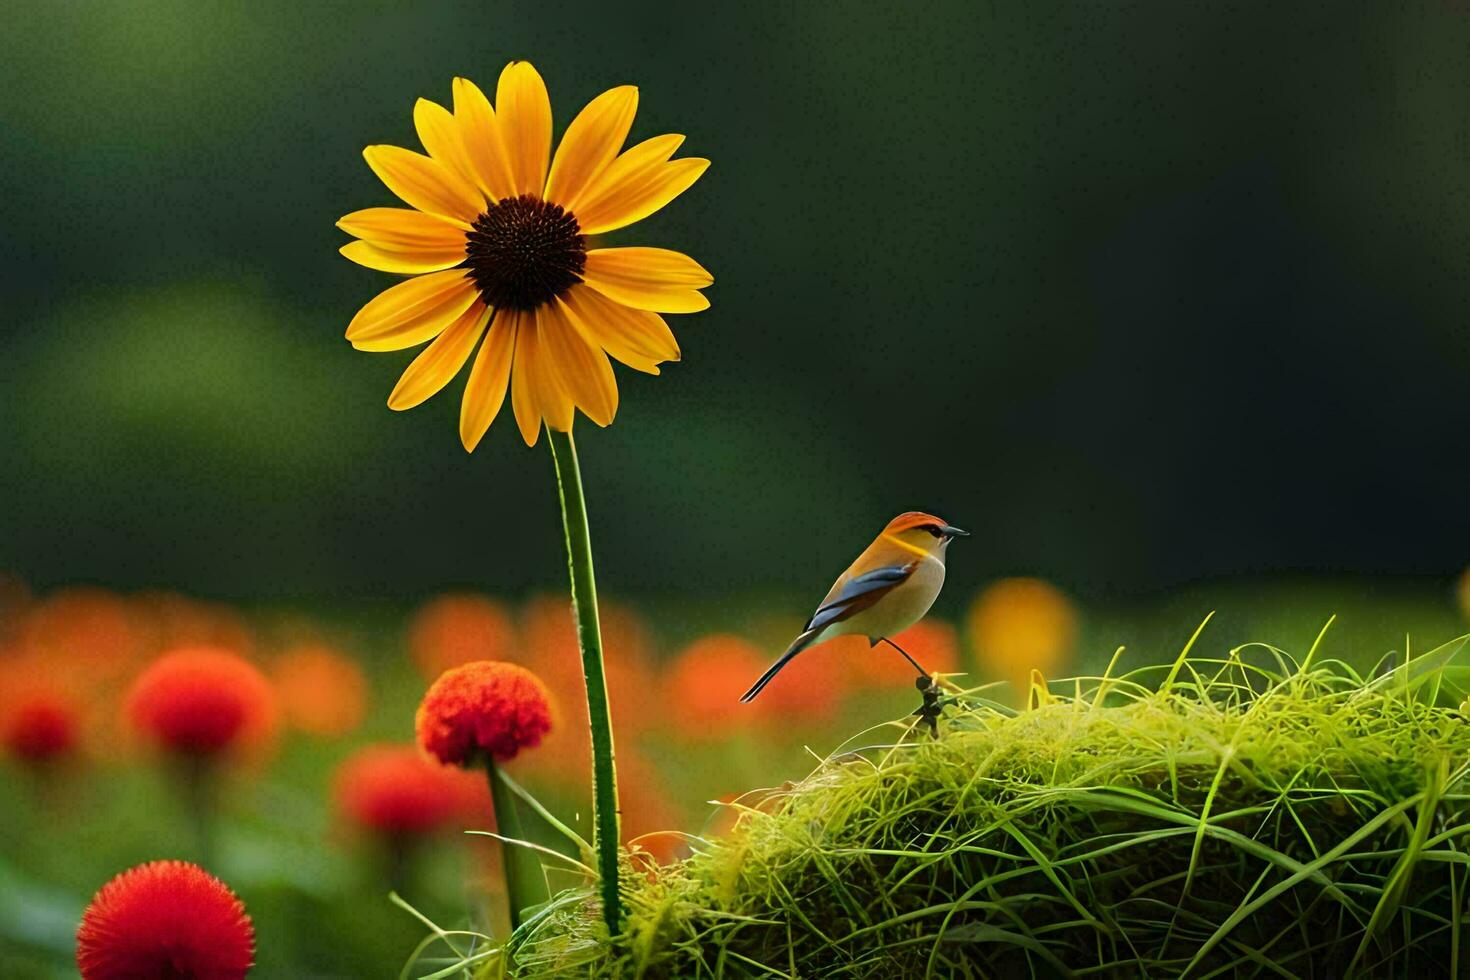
<point x="39" y="728"/>
<point x="202" y="701"/>
<point x="487" y="708"/>
<point x="165" y="919"/>
<point x="393" y="790"/>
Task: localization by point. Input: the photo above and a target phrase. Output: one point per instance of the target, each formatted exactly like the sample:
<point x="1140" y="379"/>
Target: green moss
<point x="1239" y="816"/>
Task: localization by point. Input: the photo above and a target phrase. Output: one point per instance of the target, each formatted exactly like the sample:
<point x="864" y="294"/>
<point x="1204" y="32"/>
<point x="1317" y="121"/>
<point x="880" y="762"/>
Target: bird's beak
<point x="955" y="532"/>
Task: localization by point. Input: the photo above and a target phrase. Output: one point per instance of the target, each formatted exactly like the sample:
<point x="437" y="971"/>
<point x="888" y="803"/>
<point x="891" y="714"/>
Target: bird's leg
<point x="928" y="689"/>
<point x="932" y="705"/>
<point x="934" y="701"/>
<point x="922" y="672"/>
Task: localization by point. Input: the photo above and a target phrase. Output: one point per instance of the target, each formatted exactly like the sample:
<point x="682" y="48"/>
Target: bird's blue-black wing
<point x="860" y="593"/>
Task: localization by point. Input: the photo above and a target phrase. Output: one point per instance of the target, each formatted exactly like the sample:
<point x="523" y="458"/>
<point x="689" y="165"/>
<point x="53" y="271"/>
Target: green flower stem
<point x="589" y="637"/>
<point x="197" y="781"/>
<point x="508" y="824"/>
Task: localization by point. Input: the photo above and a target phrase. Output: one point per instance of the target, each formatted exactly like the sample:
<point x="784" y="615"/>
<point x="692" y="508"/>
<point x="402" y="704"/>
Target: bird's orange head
<point x="923" y="530"/>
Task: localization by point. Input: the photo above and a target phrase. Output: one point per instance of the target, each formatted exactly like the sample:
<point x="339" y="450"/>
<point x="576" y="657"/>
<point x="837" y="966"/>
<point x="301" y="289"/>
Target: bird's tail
<point x="797" y="645"/>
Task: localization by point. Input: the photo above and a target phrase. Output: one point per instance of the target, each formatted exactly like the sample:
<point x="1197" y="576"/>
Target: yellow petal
<point x="637" y="338"/>
<point x="552" y="395"/>
<point x="523" y="381"/>
<point x="441" y="360"/>
<point x="440" y="134"/>
<point x="480" y="130"/>
<point x="424" y="183"/>
<point x="485" y="392"/>
<point x="412" y="311"/>
<point x="403" y="230"/>
<point x="584" y="372"/>
<point x="591" y="142"/>
<point x="385" y="260"/>
<point x="639" y="195"/>
<point x="524" y="111"/>
<point x="656" y="279"/>
<point x="638" y="160"/>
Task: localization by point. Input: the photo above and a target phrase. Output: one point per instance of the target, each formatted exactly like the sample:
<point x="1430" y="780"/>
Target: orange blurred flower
<point x="487" y="708"/>
<point x="457" y="629"/>
<point x="202" y="702"/>
<point x="650" y="820"/>
<point x="634" y="690"/>
<point x="552" y="651"/>
<point x="702" y="687"/>
<point x="322" y="692"/>
<point x="551" y="641"/>
<point x="564" y="756"/>
<point x="394" y="791"/>
<point x="84" y="630"/>
<point x="809" y="688"/>
<point x="173" y="621"/>
<point x="1018" y="625"/>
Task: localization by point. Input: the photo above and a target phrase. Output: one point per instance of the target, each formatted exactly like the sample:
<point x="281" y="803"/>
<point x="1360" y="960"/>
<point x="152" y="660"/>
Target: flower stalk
<point x="508" y="824"/>
<point x="196" y="780"/>
<point x="589" y="639"/>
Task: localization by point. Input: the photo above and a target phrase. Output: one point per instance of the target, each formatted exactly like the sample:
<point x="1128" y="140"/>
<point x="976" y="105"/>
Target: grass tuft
<point x="1248" y="815"/>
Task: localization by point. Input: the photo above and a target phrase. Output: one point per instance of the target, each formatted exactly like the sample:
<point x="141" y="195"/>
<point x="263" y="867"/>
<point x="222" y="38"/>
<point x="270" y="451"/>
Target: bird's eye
<point x="934" y="530"/>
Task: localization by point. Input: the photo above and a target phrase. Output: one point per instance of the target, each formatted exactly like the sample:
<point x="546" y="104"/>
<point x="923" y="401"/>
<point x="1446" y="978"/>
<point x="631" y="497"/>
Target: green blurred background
<point x="1163" y="301"/>
<point x="1144" y="293"/>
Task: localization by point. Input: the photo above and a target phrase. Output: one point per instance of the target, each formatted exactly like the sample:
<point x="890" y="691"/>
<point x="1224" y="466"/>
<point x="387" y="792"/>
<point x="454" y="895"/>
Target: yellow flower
<point x="497" y="246"/>
<point x="1022" y="629"/>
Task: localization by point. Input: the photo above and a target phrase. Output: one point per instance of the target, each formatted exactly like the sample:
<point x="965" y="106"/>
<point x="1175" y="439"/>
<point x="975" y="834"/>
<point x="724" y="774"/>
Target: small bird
<point x="886" y="590"/>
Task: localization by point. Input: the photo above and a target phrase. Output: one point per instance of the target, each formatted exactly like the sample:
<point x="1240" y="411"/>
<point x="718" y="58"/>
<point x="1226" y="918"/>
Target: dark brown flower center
<point x="523" y="251"/>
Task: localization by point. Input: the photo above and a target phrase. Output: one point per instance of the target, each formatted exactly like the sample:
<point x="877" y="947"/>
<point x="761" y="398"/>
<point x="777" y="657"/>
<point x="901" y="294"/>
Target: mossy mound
<point x="1216" y="817"/>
